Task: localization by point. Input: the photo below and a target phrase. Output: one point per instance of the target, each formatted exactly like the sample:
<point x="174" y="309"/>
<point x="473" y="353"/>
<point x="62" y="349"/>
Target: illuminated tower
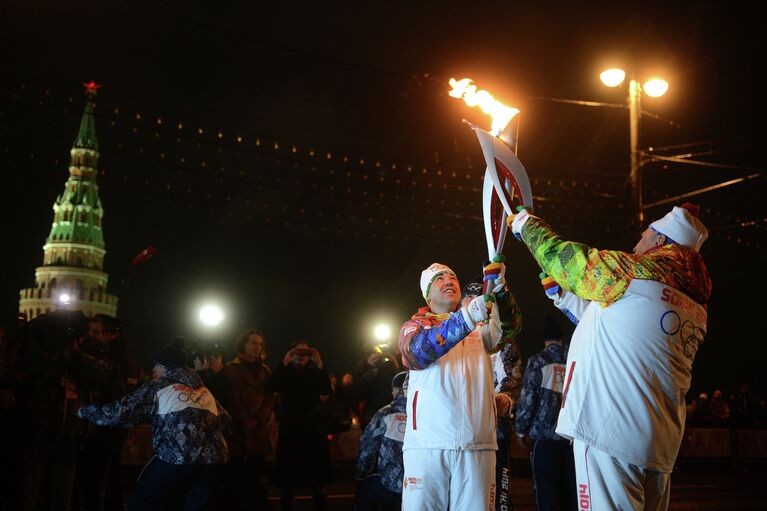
<point x="72" y="273"/>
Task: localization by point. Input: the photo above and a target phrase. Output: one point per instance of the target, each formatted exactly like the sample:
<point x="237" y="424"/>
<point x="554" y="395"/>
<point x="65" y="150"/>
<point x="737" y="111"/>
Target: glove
<point x="550" y="287"/>
<point x="475" y="312"/>
<point x="495" y="272"/>
<point x="492" y="330"/>
<point x="516" y="222"/>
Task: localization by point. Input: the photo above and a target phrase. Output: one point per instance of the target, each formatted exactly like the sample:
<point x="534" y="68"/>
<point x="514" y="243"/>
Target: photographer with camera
<point x="303" y="457"/>
<point x="54" y="375"/>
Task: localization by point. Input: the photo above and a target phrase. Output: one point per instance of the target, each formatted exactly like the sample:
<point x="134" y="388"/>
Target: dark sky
<point x="353" y="171"/>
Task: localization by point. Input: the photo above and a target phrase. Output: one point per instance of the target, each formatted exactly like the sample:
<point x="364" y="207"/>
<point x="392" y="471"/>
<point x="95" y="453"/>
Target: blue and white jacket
<point x="381" y="446"/>
<point x="541" y="399"/>
<point x="188" y="423"/>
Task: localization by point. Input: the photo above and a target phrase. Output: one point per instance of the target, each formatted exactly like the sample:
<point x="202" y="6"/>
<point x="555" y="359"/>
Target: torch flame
<point x="501" y="114"/>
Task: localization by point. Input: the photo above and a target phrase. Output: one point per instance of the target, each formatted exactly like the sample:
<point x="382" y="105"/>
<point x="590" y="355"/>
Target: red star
<point x="91" y="87"/>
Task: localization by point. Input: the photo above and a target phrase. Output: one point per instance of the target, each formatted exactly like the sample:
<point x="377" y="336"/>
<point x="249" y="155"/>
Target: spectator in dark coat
<point x="303" y="458"/>
<point x="251" y="404"/>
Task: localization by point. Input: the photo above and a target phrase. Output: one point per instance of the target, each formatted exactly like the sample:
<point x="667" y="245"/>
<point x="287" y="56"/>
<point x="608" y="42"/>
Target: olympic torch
<point x="505" y="183"/>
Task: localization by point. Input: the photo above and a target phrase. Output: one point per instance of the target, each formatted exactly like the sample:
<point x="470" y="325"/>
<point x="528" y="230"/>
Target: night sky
<point x="301" y="164"/>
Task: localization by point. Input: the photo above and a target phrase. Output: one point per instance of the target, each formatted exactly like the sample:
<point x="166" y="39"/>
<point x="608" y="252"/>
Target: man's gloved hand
<point x="495" y="272"/>
<point x="516" y="222"/>
<point x="476" y="312"/>
<point x="492" y="330"/>
<point x="550" y="287"/>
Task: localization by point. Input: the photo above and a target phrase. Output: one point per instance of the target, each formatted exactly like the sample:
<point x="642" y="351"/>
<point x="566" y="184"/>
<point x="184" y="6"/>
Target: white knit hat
<point x="431" y="273"/>
<point x="682" y="226"/>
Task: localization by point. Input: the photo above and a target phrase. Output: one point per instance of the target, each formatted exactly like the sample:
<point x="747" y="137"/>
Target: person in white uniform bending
<point x="450" y="439"/>
<point x="641" y="318"/>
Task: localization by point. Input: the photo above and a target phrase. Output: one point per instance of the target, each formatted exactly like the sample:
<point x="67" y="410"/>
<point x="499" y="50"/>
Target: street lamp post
<point x="654" y="87"/>
<point x="635" y="112"/>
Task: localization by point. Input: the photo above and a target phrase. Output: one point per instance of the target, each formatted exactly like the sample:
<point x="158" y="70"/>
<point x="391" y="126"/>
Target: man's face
<point x="348" y="380"/>
<point x="648" y="240"/>
<point x="254" y="346"/>
<point x="95" y="331"/>
<point x="444" y="292"/>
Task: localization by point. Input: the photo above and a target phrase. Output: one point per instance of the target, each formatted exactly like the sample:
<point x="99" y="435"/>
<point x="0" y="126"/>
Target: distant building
<point x="72" y="273"/>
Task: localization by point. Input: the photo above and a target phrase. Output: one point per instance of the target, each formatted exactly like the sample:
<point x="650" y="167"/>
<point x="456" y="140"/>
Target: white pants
<point x="438" y="480"/>
<point x="606" y="483"/>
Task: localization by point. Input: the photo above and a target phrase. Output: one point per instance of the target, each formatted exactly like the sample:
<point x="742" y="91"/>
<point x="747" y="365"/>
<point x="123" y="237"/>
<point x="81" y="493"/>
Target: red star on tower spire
<point x="91" y="87"/>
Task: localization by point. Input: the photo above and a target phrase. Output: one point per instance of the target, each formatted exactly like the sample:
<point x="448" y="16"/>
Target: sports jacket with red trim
<point x="188" y="424"/>
<point x="641" y="319"/>
<point x="451" y="402"/>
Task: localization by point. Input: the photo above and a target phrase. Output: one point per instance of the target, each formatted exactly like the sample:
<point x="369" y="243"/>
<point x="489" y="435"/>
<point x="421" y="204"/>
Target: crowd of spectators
<point x="283" y="416"/>
<point x="737" y="410"/>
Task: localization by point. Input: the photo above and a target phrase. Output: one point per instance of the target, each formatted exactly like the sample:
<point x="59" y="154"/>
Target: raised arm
<point x="422" y="343"/>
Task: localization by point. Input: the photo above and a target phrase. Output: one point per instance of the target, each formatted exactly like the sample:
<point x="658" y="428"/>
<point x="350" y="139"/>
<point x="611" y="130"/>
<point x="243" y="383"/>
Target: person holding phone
<point x="303" y="456"/>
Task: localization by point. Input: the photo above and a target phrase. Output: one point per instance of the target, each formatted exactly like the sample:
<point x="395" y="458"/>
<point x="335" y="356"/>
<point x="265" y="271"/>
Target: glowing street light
<point x="654" y="88"/>
<point x="211" y="315"/>
<point x="382" y="332"/>
<point x="612" y="77"/>
<point x="65" y="299"/>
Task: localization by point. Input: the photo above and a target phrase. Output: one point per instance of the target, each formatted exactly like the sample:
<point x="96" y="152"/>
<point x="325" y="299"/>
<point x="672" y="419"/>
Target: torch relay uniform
<point x="641" y="319"/>
<point x="450" y="439"/>
<point x="188" y="425"/>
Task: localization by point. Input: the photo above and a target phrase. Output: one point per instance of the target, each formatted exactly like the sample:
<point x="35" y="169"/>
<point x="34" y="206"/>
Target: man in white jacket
<point x="641" y="318"/>
<point x="450" y="439"/>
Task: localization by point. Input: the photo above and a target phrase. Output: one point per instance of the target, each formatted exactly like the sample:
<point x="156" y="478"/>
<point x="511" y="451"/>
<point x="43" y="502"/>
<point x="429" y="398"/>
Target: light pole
<point x="655" y="87"/>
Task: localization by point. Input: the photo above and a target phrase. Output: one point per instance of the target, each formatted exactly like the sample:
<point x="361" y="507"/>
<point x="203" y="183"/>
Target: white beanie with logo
<point x="682" y="226"/>
<point x="431" y="273"/>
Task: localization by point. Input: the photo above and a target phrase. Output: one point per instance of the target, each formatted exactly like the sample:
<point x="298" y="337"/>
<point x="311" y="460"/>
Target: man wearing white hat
<point x="641" y="318"/>
<point x="450" y="439"/>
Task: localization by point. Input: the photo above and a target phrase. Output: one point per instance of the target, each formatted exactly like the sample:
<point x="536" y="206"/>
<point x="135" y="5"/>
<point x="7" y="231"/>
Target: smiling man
<point x="450" y="439"/>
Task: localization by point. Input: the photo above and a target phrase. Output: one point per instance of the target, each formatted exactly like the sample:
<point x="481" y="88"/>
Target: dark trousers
<point x="51" y="461"/>
<point x="92" y="472"/>
<point x="553" y="475"/>
<point x="372" y="495"/>
<point x="244" y="477"/>
<point x="160" y="480"/>
<point x="503" y="477"/>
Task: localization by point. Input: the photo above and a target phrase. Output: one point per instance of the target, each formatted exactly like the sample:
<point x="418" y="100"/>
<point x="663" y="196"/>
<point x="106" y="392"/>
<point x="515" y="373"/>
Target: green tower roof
<point x="86" y="136"/>
<point x="78" y="209"/>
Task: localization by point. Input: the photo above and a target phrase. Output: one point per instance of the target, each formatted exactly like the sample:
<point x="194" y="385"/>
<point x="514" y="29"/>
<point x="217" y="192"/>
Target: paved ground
<point x="702" y="487"/>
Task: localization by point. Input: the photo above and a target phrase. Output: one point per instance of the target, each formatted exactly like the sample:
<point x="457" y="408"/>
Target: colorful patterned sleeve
<point x="422" y="341"/>
<point x="511" y="318"/>
<point x="597" y="275"/>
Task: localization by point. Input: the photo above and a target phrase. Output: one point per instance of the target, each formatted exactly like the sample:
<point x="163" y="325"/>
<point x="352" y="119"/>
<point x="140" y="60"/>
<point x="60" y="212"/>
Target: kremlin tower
<point x="72" y="273"/>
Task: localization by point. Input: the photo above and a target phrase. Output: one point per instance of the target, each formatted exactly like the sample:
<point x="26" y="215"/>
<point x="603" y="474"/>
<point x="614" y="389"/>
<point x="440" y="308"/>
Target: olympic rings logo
<point x="197" y="398"/>
<point x="690" y="335"/>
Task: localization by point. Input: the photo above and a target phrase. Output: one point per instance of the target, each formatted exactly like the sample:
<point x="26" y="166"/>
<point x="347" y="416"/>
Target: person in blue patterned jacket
<point x="188" y="432"/>
<point x="380" y="470"/>
<point x="551" y="456"/>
